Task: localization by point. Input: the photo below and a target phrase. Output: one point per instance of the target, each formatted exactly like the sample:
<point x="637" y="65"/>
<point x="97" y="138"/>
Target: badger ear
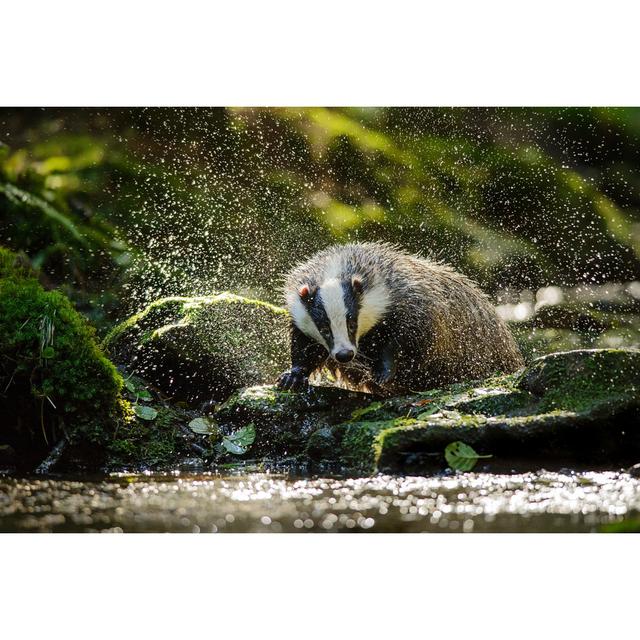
<point x="356" y="283"/>
<point x="306" y="292"/>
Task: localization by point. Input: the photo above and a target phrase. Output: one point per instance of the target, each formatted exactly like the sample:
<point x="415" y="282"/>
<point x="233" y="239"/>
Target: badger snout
<point x="345" y="355"/>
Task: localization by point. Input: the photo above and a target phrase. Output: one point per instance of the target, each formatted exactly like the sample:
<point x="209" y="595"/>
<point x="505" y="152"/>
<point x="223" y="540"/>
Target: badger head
<point x="338" y="312"/>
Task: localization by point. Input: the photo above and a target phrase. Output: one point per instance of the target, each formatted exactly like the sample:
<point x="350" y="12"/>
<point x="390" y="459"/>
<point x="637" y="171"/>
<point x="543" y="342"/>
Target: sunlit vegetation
<point x="144" y="203"/>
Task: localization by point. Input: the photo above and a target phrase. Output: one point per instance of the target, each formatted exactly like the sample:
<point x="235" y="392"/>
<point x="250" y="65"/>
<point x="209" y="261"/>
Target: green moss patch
<point x="204" y="348"/>
<point x="54" y="379"/>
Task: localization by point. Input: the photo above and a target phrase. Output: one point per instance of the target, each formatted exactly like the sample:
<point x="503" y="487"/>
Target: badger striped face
<point x="338" y="313"/>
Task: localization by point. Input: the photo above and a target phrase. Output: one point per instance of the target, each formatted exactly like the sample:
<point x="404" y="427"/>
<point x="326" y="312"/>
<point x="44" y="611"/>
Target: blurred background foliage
<point x="119" y="206"/>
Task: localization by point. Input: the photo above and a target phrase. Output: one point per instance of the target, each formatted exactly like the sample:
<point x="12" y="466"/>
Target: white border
<point x="334" y="52"/>
<point x="320" y="586"/>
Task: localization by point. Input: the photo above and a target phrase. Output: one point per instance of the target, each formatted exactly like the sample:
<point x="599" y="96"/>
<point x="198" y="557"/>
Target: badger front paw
<point x="383" y="373"/>
<point x="293" y="380"/>
<point x="381" y="377"/>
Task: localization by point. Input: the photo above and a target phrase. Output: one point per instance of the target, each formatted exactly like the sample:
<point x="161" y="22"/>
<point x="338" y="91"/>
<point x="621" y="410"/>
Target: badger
<point x="388" y="322"/>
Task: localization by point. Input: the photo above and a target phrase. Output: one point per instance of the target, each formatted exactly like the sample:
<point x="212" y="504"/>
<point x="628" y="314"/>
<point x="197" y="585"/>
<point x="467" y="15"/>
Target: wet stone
<point x="578" y="406"/>
<point x="203" y="348"/>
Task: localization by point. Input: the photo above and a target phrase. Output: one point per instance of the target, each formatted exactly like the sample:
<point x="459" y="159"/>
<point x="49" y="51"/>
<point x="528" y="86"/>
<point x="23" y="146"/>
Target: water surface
<point x="267" y="502"/>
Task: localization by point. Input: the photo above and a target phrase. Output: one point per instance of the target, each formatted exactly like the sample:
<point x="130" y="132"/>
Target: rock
<point x="586" y="377"/>
<point x="203" y="348"/>
<point x="585" y="317"/>
<point x="580" y="405"/>
<point x="287" y="423"/>
<point x="574" y="317"/>
<point x="55" y="382"/>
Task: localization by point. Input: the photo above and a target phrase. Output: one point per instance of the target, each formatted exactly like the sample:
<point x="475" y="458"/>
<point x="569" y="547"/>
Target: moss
<point x="164" y="308"/>
<point x="260" y="398"/>
<point x="14" y="265"/>
<point x="180" y="305"/>
<point x="204" y="348"/>
<point x="582" y="380"/>
<point x="361" y="442"/>
<point x="627" y="525"/>
<point x="268" y="400"/>
<point x="54" y="378"/>
<point x="497" y="402"/>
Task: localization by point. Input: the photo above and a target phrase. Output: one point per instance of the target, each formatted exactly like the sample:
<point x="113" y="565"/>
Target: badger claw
<point x="383" y="374"/>
<point x="382" y="377"/>
<point x="292" y="380"/>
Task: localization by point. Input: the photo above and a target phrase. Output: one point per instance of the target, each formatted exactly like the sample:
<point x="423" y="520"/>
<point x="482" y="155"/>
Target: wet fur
<point x="435" y="326"/>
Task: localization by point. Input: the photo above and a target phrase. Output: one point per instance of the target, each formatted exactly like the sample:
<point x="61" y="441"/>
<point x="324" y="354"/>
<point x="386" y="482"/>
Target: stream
<point x="541" y="501"/>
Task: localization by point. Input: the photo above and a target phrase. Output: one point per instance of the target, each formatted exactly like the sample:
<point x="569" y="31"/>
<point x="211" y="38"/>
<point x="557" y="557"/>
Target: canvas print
<point x="320" y="320"/>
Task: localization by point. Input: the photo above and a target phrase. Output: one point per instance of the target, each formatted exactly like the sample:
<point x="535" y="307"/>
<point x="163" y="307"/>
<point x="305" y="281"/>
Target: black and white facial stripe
<point x="338" y="312"/>
<point x="334" y="310"/>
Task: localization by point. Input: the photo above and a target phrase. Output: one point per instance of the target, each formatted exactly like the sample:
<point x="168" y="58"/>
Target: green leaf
<point x="239" y="441"/>
<point x="461" y="457"/>
<point x="146" y="413"/>
<point x="232" y="447"/>
<point x="203" y="426"/>
<point x="48" y="353"/>
<point x="134" y="388"/>
<point x="245" y="436"/>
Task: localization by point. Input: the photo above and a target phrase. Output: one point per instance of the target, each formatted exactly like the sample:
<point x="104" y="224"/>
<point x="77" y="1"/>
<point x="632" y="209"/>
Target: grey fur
<point x="443" y="328"/>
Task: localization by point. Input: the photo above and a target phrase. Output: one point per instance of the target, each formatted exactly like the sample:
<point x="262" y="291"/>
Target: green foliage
<point x="139" y="392"/>
<point x="144" y="412"/>
<point x="239" y="441"/>
<point x="204" y="426"/>
<point x="148" y="443"/>
<point x="489" y="190"/>
<point x="52" y="373"/>
<point x="46" y="193"/>
<point x="461" y="457"/>
<point x="484" y="189"/>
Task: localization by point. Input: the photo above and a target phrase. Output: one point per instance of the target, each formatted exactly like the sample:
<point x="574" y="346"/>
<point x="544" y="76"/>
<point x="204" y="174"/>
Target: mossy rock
<point x="54" y="379"/>
<point x="579" y="406"/>
<point x="203" y="348"/>
<point x="287" y="422"/>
